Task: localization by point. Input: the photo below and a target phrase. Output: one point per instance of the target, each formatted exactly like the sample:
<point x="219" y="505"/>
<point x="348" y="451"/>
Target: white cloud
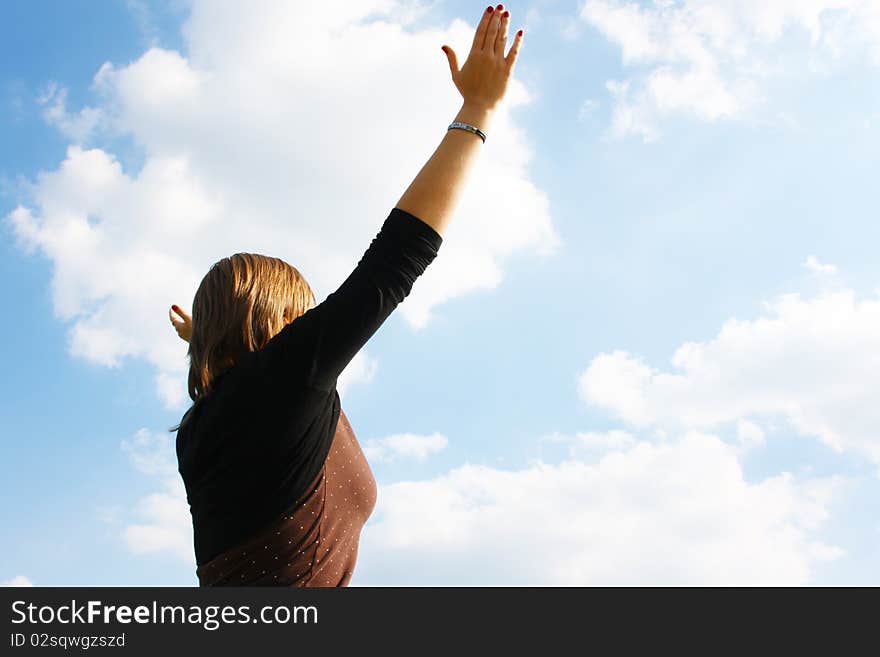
<point x="621" y="510"/>
<point x="151" y="453"/>
<point x="812" y="264"/>
<point x="166" y="526"/>
<point x="19" y="580"/>
<point x="712" y="59"/>
<point x="749" y="434"/>
<point x="172" y="390"/>
<point x="588" y="107"/>
<point x="162" y="518"/>
<point x="360" y="370"/>
<point x="814" y="363"/>
<point x="77" y="127"/>
<point x="589" y="441"/>
<point x="633" y="513"/>
<point x="405" y="446"/>
<point x="675" y="513"/>
<point x="143" y="16"/>
<point x="257" y="141"/>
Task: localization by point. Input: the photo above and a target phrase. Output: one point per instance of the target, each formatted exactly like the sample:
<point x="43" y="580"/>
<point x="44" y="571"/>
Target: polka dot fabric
<point x="315" y="543"/>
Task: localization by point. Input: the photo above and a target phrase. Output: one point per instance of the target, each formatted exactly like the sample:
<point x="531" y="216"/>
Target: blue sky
<point x="654" y="333"/>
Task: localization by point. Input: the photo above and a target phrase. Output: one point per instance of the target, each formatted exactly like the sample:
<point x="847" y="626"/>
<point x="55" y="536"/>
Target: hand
<point x="181" y="322"/>
<point x="482" y="80"/>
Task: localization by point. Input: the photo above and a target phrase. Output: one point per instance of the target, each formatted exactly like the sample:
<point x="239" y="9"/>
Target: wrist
<point x="476" y="114"/>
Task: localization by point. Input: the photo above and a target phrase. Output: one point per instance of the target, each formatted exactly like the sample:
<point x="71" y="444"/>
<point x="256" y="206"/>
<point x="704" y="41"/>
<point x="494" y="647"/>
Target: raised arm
<point x="482" y="82"/>
<point x="322" y="341"/>
<point x="326" y="338"/>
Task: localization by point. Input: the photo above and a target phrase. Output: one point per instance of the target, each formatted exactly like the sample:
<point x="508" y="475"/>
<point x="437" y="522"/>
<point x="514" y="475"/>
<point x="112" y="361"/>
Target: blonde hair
<point x="242" y="302"/>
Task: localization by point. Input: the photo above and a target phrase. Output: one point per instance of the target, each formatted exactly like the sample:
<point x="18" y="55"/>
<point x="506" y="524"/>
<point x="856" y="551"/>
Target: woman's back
<point x="249" y="451"/>
<point x="252" y="450"/>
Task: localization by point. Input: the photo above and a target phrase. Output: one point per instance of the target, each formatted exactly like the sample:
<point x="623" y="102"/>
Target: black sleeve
<point x="320" y="343"/>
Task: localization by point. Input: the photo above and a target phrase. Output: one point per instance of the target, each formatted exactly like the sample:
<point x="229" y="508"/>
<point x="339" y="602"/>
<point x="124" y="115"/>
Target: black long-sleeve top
<point x="256" y="441"/>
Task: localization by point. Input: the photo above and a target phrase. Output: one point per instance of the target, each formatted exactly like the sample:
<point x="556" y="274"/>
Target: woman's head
<point x="241" y="303"/>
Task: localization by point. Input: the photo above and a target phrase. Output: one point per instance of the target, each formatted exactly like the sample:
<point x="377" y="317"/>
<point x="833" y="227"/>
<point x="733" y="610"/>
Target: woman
<point x="277" y="484"/>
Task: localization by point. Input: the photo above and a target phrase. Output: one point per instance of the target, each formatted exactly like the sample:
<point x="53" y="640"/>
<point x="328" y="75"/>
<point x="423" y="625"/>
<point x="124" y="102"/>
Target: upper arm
<point x="319" y="344"/>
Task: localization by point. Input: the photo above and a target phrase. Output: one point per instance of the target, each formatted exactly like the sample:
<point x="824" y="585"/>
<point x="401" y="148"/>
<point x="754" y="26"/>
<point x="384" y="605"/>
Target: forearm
<point x="434" y="193"/>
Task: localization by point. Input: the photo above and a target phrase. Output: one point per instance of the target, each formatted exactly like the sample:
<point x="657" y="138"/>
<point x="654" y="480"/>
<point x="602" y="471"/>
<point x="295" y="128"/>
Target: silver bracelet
<point x="469" y="128"/>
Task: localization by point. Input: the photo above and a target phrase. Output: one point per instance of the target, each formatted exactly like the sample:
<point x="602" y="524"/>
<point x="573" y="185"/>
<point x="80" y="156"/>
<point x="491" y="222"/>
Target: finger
<point x="492" y="30"/>
<point x="180" y="312"/>
<point x="514" y="51"/>
<point x="452" y="59"/>
<point x="482" y="26"/>
<point x="501" y="39"/>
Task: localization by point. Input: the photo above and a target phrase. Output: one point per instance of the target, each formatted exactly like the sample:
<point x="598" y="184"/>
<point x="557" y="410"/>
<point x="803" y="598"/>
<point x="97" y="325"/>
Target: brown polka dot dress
<point x="315" y="543"/>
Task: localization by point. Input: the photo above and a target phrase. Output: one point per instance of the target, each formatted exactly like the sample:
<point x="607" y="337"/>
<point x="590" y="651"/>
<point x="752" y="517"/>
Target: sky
<point x="648" y="350"/>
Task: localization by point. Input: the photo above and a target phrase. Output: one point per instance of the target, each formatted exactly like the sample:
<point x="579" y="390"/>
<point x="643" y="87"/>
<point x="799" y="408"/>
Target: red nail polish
<point x="519" y="33"/>
<point x="489" y="9"/>
<point x="506" y="13"/>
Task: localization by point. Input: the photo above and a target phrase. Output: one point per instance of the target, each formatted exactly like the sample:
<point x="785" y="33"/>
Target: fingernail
<point x="505" y="14"/>
<point x="519" y="33"/>
<point x="489" y="9"/>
